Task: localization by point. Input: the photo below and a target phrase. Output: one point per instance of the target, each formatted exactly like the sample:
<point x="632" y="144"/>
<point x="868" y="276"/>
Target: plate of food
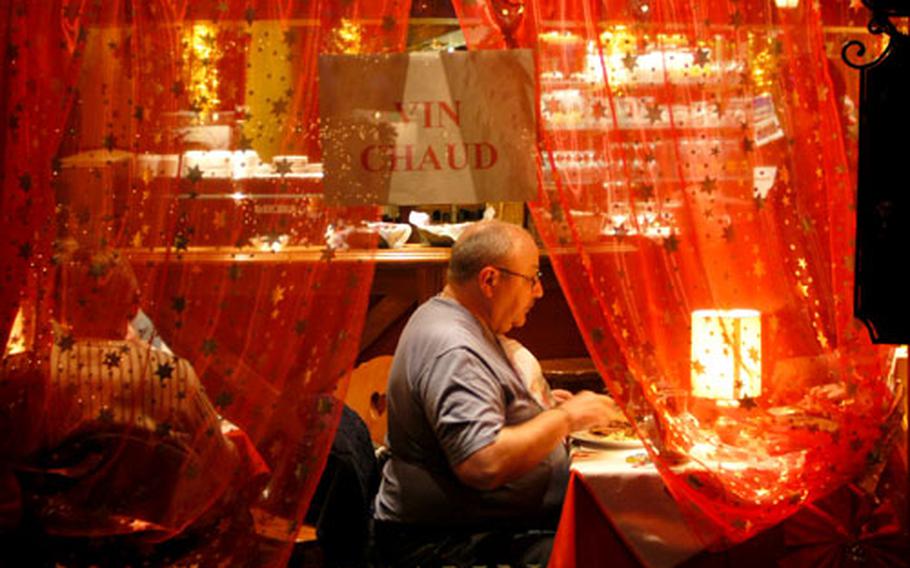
<point x="614" y="435"/>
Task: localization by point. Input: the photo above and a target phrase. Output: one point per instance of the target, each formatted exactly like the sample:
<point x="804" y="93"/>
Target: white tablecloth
<point x="633" y="494"/>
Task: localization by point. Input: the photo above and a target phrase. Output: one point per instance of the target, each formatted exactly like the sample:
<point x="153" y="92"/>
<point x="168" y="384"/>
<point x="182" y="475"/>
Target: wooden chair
<point x="367" y="395"/>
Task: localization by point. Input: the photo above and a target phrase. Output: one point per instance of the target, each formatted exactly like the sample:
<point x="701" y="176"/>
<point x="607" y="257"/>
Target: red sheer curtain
<point x="178" y="142"/>
<point x="42" y="52"/>
<point x="691" y="160"/>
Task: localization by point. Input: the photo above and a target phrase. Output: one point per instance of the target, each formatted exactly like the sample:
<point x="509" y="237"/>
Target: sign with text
<point x="425" y="128"/>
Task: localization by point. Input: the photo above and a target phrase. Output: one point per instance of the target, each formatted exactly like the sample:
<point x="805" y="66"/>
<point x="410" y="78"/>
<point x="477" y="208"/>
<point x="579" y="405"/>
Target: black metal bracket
<point x="881" y="297"/>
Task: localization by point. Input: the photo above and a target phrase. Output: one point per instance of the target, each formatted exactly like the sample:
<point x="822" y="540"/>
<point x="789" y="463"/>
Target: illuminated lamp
<point x="726" y="355"/>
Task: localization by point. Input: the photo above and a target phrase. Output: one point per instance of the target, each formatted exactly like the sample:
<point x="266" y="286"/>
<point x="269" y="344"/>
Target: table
<point x="618" y="513"/>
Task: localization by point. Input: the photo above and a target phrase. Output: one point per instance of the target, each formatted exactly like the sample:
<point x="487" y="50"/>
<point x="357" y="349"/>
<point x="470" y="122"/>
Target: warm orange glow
<point x="201" y="54"/>
<point x="726" y="354"/>
<point x="349" y="36"/>
<point x="16" y="342"/>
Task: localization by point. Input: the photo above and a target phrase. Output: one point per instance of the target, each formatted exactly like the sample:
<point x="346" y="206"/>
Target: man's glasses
<point x="534" y="280"/>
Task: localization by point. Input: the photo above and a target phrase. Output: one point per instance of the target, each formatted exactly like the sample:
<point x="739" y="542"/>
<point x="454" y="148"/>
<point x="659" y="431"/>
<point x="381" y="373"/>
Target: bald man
<point x="479" y="465"/>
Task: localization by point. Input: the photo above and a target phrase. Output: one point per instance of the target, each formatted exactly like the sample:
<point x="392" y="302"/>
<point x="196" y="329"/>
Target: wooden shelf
<point x="407" y="255"/>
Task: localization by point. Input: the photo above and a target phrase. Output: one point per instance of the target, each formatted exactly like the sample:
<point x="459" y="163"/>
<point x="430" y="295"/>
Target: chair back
<point x="367" y="395"/>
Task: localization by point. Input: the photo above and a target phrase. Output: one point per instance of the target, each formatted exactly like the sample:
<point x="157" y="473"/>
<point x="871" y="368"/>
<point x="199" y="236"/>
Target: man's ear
<point x="487" y="278"/>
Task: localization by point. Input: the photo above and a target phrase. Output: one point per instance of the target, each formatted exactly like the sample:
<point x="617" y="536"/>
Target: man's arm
<point x="517" y="449"/>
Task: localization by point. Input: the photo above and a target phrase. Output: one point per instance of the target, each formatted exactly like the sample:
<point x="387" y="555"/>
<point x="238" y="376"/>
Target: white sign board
<point x="425" y="128"/>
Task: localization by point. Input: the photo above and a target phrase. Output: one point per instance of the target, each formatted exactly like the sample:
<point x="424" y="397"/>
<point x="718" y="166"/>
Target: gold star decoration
<point x="279" y="107"/>
<point x="277" y="295"/>
<point x="164" y="371"/>
<point x="753" y="354"/>
<point x="701" y="56"/>
<point x="66" y="343"/>
<point x="630" y="61"/>
<point x="708" y="185"/>
<point x="282" y="167"/>
<point x="645" y="192"/>
<point x="698" y="367"/>
<point x="654" y="113"/>
<point x="728" y="233"/>
<point x="111" y="359"/>
<point x="747" y="403"/>
<point x="181" y="241"/>
<point x="244" y="143"/>
<point x="194" y="174"/>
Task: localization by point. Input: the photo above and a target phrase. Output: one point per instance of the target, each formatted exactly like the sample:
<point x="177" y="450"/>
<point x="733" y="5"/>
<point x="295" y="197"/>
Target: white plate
<point x="588" y="438"/>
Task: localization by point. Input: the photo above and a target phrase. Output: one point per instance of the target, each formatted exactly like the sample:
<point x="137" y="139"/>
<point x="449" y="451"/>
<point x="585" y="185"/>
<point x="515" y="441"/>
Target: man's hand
<point x="587" y="409"/>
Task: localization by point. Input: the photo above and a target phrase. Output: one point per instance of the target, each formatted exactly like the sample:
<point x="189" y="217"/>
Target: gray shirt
<point x="451" y="390"/>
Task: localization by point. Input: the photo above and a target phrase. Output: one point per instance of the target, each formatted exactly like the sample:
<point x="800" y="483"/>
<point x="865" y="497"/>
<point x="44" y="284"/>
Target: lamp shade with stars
<point x="726" y="354"/>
